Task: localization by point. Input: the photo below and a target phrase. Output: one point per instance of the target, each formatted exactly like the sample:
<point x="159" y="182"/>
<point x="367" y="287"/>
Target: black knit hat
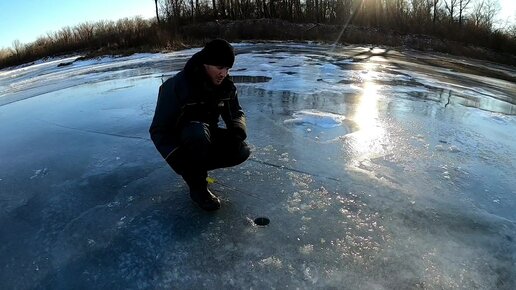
<point x="218" y="52"/>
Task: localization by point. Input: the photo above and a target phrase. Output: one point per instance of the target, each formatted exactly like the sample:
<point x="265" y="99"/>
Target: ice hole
<point x="261" y="221"/>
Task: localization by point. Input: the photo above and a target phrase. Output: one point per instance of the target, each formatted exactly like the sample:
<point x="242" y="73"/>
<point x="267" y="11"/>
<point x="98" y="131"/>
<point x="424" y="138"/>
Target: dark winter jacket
<point x="190" y="96"/>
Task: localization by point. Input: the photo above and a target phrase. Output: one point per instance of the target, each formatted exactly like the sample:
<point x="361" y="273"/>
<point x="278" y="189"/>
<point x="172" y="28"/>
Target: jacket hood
<point x="193" y="67"/>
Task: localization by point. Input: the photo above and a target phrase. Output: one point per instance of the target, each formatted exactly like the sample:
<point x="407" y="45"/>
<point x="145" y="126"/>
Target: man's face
<point x="216" y="73"/>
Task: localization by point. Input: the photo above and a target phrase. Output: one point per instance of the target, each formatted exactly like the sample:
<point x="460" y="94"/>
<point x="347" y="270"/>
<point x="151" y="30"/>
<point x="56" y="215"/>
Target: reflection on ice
<point x="249" y="79"/>
<point x="366" y="111"/>
<point x="365" y="142"/>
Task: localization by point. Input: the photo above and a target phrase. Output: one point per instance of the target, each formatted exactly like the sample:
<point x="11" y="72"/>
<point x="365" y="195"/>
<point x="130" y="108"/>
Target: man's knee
<point x="243" y="153"/>
<point x="195" y="134"/>
<point x="194" y="148"/>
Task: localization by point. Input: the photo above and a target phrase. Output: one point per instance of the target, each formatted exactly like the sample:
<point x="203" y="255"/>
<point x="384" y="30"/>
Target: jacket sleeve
<point x="165" y="119"/>
<point x="235" y="120"/>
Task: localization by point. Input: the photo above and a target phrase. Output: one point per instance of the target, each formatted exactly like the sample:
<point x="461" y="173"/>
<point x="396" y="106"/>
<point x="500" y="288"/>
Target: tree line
<point x="394" y="14"/>
<point x="465" y="21"/>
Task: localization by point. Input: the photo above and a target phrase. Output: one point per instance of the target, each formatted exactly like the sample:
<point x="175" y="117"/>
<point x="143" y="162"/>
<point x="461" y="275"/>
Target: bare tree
<point x="222" y="8"/>
<point x="451" y="6"/>
<point x="512" y="31"/>
<point x="18" y="48"/>
<point x="157" y="11"/>
<point x="175" y="7"/>
<point x="434" y="14"/>
<point x="463" y="4"/>
<point x="192" y="9"/>
<point x="484" y="13"/>
<point x="421" y="10"/>
<point x="214" y="8"/>
<point x="395" y="10"/>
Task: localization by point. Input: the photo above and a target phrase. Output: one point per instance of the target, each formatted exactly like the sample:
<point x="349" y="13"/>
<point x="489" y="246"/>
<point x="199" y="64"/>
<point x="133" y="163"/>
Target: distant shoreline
<point x="194" y="35"/>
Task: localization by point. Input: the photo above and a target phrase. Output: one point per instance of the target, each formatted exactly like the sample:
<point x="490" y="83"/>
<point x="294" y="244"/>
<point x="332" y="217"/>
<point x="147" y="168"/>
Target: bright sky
<point x="26" y="20"/>
<point x="508" y="10"/>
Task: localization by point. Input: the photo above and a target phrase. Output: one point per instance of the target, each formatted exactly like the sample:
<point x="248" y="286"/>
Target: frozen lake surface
<point x="378" y="169"/>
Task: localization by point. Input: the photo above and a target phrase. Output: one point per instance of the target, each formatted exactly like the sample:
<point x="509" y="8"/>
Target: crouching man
<point x="185" y="128"/>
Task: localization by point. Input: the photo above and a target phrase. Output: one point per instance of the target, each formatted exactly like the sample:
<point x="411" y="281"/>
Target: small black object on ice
<point x="261" y="221"/>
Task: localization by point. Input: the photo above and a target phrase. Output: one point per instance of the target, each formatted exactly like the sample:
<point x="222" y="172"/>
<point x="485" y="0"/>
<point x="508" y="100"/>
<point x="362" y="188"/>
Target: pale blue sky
<point x="26" y="20"/>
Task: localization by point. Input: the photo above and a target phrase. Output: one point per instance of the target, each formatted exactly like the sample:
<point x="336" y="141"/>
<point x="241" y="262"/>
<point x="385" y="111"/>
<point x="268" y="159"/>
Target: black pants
<point x="205" y="148"/>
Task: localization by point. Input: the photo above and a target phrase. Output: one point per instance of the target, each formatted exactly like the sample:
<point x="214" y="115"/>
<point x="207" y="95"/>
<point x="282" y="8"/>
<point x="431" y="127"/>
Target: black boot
<point x="200" y="193"/>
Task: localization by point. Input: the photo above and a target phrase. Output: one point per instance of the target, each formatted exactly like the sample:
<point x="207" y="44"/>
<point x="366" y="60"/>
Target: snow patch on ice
<point x="317" y="118"/>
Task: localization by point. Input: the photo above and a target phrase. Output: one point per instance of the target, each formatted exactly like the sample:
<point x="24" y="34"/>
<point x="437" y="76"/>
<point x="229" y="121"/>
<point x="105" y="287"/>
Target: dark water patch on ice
<point x="119" y="88"/>
<point x="250" y="79"/>
<point x="346" y="82"/>
<point x="288" y="102"/>
<point x="65" y="64"/>
<point x="348" y="66"/>
<point x="402" y="83"/>
<point x="289" y="73"/>
<point x="268" y="54"/>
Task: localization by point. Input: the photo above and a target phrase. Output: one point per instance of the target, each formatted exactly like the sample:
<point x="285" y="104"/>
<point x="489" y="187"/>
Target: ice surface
<point x="378" y="169"/>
